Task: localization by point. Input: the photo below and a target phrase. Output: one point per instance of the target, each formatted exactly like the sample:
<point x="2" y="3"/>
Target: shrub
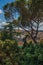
<point x="12" y="54"/>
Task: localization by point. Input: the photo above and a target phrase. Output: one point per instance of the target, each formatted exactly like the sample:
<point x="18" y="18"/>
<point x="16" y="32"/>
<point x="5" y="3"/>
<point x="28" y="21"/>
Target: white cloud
<point x="1" y="11"/>
<point x="3" y="23"/>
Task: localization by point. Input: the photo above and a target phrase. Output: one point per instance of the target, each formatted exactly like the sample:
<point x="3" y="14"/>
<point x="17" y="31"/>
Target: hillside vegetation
<point x="12" y="54"/>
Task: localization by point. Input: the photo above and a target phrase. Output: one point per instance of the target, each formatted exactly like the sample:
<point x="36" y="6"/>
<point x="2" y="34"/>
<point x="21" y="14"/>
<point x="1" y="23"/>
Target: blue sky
<point x="2" y="3"/>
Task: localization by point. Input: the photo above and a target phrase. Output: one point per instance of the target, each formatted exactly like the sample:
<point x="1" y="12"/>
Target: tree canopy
<point x="30" y="14"/>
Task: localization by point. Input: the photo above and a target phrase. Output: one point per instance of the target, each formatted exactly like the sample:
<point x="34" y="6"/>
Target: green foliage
<point x="7" y="32"/>
<point x="12" y="54"/>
